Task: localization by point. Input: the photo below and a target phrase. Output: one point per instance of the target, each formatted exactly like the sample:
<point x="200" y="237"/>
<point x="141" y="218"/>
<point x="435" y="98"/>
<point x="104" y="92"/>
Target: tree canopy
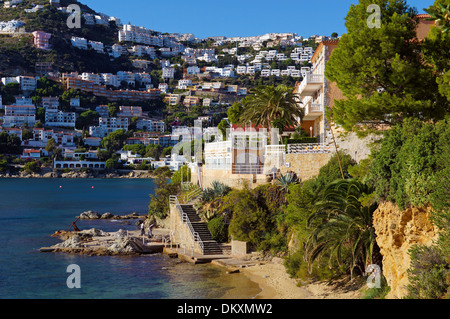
<point x="381" y="71"/>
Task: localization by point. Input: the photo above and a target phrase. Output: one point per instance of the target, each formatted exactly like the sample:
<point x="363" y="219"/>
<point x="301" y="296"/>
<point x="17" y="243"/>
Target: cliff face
<point x="397" y="230"/>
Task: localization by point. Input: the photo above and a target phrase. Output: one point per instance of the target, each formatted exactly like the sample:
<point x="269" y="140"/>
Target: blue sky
<point x="230" y="18"/>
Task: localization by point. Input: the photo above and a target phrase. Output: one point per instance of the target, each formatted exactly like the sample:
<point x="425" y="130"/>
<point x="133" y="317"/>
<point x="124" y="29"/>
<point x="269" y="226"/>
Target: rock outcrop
<point x="95" y="215"/>
<point x="397" y="230"/>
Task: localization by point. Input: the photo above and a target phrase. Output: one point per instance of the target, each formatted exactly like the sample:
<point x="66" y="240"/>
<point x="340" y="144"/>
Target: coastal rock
<point x="124" y="246"/>
<point x="92" y="232"/>
<point x="120" y="233"/>
<point x="397" y="230"/>
<point x="90" y="215"/>
<point x="107" y="215"/>
<point x="72" y="242"/>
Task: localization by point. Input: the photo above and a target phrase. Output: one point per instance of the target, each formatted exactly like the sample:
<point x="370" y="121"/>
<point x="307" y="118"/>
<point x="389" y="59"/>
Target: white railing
<point x="190" y="196"/>
<point x="173" y="200"/>
<point x="275" y="149"/>
<point x="309" y="79"/>
<point x="307" y="148"/>
<point x="247" y="169"/>
<point x="315" y="107"/>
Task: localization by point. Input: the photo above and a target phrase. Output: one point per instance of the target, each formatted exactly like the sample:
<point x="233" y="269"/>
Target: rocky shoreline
<point x="77" y="174"/>
<point x="96" y="242"/>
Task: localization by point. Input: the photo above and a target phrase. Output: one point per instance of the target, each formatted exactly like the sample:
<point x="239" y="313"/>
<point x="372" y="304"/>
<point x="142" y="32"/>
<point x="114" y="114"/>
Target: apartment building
<point x="163" y="87"/>
<point x="108" y="125"/>
<point x="54" y="118"/>
<point x="27" y="83"/>
<point x="18" y="115"/>
<point x="118" y="50"/>
<point x="130" y="111"/>
<point x="41" y="137"/>
<point x="126" y="76"/>
<point x="112" y="95"/>
<point x="102" y="110"/>
<point x="168" y="73"/>
<point x="41" y="40"/>
<point x="92" y="77"/>
<point x="192" y="70"/>
<point x="97" y="46"/>
<point x="22" y="100"/>
<point x="110" y="79"/>
<point x="150" y="125"/>
<point x="172" y="99"/>
<point x="12" y="130"/>
<point x="184" y="84"/>
<point x="191" y="101"/>
<point x="80" y="43"/>
<point x="50" y="102"/>
<point x="143" y="78"/>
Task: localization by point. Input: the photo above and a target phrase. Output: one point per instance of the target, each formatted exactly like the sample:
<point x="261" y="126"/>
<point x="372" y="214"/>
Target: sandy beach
<point x="275" y="282"/>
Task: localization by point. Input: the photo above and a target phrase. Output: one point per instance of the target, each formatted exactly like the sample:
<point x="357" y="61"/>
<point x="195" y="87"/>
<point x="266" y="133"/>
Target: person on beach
<point x="150" y="234"/>
<point x="142" y="229"/>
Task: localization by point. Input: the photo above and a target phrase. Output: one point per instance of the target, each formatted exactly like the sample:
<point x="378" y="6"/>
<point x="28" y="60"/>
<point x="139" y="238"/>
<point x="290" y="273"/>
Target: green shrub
<point x="32" y="167"/>
<point x="427" y="273"/>
<point x="301" y="140"/>
<point x="218" y="229"/>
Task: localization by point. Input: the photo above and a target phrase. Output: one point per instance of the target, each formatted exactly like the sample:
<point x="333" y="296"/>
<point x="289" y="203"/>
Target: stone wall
<point x="306" y="166"/>
<point x="397" y="230"/>
<point x="180" y="232"/>
<point x="239" y="248"/>
<point x="233" y="180"/>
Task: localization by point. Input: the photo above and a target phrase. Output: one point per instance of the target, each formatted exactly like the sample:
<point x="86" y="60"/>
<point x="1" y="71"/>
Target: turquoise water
<point x="33" y="209"/>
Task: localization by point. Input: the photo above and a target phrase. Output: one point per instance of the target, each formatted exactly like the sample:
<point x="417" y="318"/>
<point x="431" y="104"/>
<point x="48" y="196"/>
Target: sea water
<point x="33" y="209"/>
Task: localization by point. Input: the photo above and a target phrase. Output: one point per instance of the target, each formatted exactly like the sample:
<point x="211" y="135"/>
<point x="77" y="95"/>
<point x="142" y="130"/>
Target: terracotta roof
<point x="423" y="16"/>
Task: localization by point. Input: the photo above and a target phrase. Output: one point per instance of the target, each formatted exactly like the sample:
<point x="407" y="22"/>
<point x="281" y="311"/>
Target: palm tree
<point x="343" y="226"/>
<point x="272" y="107"/>
<point x="441" y="15"/>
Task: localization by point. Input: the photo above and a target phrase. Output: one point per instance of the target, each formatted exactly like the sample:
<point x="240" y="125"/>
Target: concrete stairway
<point x="210" y="246"/>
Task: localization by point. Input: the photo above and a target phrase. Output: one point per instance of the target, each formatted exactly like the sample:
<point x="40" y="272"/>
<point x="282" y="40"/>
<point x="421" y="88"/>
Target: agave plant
<point x="217" y="189"/>
<point x="285" y="180"/>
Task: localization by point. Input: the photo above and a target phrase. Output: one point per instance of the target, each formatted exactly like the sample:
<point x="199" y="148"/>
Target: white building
<point x="193" y="70"/>
<point x="60" y="119"/>
<point x="110" y="79"/>
<point x="93" y="77"/>
<point x="27" y="83"/>
<point x="97" y="46"/>
<point x="128" y="77"/>
<point x="184" y="84"/>
<point x="168" y="73"/>
<point x="80" y="43"/>
<point x="151" y="126"/>
<point x="108" y="125"/>
<point x="18" y="115"/>
<point x="118" y="50"/>
<point x="50" y="103"/>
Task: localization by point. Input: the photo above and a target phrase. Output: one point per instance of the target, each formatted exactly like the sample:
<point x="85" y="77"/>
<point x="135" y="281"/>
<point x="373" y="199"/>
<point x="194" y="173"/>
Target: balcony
<point x="313" y="111"/>
<point x="311" y="83"/>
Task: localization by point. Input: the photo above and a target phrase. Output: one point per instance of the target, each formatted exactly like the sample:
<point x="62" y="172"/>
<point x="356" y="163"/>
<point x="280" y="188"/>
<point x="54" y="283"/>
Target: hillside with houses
<point x="65" y="90"/>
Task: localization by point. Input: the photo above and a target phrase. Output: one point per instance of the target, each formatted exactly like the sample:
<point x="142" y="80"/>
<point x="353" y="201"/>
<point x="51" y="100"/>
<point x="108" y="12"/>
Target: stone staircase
<point x="210" y="246"/>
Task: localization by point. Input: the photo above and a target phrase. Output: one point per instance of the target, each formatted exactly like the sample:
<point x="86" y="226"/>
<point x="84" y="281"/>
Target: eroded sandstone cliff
<point x="397" y="230"/>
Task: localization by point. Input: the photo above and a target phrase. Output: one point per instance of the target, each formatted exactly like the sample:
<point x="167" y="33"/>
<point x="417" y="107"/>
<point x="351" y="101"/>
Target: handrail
<point x="190" y="196"/>
<point x="185" y="219"/>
